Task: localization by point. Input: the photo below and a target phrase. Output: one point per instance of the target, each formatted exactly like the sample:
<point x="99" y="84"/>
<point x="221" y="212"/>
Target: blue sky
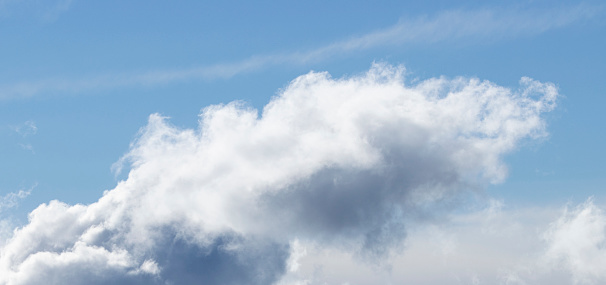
<point x="79" y="80"/>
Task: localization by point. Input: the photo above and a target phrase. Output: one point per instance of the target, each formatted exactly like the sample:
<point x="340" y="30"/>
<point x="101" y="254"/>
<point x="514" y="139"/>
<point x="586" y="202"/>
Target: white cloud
<point x="577" y="243"/>
<point x="455" y="25"/>
<point x="11" y="200"/>
<point x="344" y="163"/>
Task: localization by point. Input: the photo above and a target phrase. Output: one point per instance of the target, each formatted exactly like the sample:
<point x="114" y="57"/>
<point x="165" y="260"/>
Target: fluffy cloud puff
<point x="577" y="243"/>
<point x="337" y="162"/>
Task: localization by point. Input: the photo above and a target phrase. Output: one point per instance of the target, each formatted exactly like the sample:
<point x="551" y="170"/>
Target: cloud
<point x="343" y="163"/>
<point x="28" y="128"/>
<point x="7" y="202"/>
<point x="577" y="243"/>
<point x="495" y="245"/>
<point x="448" y="26"/>
<point x="452" y="25"/>
<point x="11" y="200"/>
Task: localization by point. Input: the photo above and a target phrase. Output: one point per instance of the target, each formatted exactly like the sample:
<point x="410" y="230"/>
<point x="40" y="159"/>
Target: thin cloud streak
<point x="477" y="25"/>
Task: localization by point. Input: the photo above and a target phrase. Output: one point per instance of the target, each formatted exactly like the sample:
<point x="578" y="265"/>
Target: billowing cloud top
<point x="341" y="162"/>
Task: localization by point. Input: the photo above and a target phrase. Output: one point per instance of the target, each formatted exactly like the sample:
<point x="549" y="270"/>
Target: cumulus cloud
<point x="345" y="163"/>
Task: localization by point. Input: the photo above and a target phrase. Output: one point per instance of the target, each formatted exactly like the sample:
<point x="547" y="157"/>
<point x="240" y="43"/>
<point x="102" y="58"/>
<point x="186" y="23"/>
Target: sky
<point x="312" y="142"/>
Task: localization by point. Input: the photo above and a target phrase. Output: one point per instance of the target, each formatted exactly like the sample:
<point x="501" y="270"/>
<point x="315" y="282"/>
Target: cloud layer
<point x="495" y="245"/>
<point x="344" y="163"/>
<point x="577" y="243"/>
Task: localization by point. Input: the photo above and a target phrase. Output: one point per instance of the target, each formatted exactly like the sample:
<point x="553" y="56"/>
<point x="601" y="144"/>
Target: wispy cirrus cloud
<point x="448" y="26"/>
<point x="27" y="128"/>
